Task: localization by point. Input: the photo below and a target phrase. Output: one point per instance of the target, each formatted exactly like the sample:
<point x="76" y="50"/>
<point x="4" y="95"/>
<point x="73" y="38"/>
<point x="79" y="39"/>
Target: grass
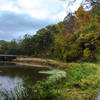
<point x="79" y="81"/>
<point x="47" y="89"/>
<point x="17" y="93"/>
<point x="82" y="82"/>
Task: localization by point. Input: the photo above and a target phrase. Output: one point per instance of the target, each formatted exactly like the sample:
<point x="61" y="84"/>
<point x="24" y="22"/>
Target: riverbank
<point x="39" y="62"/>
<point x="82" y="81"/>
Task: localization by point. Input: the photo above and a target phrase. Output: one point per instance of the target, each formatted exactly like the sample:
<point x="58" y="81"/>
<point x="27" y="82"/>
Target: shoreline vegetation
<point x="76" y="42"/>
<point x="82" y="80"/>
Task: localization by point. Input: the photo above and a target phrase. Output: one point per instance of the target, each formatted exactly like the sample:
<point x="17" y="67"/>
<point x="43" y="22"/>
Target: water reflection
<point x="12" y="77"/>
<point x="9" y="85"/>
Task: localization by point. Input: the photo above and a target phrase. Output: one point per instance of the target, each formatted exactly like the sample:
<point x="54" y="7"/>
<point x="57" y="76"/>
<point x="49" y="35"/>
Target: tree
<point x="4" y="48"/>
<point x="13" y="48"/>
<point x="26" y="45"/>
<point x="85" y="4"/>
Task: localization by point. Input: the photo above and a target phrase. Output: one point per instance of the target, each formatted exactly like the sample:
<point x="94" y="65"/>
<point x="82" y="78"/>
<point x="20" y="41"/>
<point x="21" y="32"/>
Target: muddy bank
<point x="25" y="64"/>
<point x="38" y="62"/>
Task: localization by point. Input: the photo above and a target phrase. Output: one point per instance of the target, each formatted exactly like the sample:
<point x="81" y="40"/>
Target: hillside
<point x="72" y="46"/>
<point x="76" y="39"/>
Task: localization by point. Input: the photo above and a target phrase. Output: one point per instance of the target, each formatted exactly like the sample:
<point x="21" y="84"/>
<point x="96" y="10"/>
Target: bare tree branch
<point x="86" y="4"/>
<point x="94" y="2"/>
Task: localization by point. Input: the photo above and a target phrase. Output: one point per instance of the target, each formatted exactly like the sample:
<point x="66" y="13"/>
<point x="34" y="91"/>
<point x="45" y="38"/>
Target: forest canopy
<point x="76" y="39"/>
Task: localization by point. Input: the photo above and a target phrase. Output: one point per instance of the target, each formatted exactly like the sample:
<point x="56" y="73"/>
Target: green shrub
<point x="86" y="54"/>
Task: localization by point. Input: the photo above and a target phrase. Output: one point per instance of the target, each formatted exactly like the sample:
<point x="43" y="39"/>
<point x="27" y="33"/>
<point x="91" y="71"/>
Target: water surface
<point x="13" y="77"/>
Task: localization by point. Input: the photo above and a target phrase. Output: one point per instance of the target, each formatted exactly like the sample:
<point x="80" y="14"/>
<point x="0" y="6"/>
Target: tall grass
<point x="82" y="82"/>
<point x="16" y="93"/>
<point x="79" y="81"/>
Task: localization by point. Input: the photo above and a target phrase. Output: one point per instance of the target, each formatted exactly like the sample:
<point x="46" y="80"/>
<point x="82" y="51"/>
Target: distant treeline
<point x="77" y="39"/>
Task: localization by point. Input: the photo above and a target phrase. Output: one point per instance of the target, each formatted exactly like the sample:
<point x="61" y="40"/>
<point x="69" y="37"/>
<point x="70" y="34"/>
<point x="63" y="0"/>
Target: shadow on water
<point x="13" y="78"/>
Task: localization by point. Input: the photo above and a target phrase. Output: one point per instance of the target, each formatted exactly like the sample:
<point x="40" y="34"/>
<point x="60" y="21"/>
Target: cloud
<point x="36" y="8"/>
<point x="18" y="17"/>
<point x="13" y="23"/>
<point x="20" y="22"/>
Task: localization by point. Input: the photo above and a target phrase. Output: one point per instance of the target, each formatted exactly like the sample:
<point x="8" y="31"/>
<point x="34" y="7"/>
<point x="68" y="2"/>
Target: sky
<point x="20" y="17"/>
